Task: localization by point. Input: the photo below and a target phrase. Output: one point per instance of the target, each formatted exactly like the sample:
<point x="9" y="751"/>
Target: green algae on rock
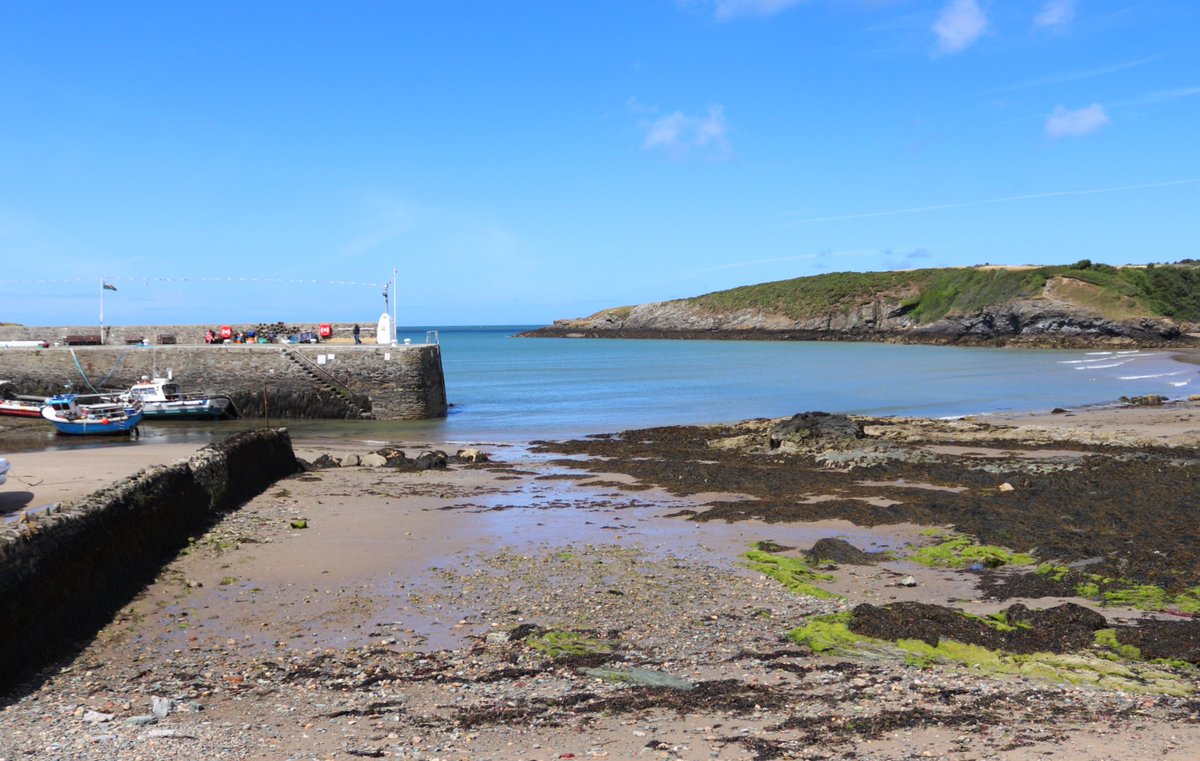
<point x="794" y="573"/>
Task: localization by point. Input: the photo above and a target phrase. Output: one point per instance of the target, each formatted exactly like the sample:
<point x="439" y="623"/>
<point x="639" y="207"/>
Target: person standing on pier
<point x="357" y="340"/>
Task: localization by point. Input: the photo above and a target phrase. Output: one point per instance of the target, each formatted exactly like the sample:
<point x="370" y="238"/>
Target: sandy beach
<point x="568" y="601"/>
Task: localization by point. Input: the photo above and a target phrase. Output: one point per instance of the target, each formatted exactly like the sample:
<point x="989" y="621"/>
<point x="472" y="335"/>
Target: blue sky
<point x="523" y="161"/>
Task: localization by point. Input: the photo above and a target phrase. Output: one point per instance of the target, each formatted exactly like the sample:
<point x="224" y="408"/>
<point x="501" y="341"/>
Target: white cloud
<point x="1056" y="14"/>
<point x="960" y="24"/>
<point x="679" y="134"/>
<point x="1065" y="122"/>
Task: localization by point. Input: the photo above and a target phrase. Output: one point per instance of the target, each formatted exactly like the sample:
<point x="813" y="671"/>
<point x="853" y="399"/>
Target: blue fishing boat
<point x="91" y="415"/>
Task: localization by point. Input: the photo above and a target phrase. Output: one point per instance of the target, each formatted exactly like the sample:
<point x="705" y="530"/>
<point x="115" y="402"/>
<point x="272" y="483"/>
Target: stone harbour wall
<point x="398" y="382"/>
<point x="67" y="572"/>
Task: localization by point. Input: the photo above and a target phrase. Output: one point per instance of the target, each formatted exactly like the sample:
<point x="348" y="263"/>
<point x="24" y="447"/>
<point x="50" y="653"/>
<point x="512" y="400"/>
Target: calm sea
<point x="507" y="388"/>
<point x="504" y="388"/>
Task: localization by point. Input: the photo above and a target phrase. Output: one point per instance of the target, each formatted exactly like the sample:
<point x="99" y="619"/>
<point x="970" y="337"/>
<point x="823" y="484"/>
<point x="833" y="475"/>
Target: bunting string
<point x="190" y="279"/>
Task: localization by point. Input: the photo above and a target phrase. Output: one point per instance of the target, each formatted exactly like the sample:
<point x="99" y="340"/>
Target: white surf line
<point x="1156" y="375"/>
<point x="1101" y="367"/>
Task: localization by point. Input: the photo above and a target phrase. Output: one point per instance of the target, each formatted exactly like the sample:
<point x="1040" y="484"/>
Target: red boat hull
<point x="20" y="410"/>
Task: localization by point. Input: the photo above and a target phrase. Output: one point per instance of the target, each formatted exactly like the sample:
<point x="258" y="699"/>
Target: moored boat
<point x="21" y="406"/>
<point x="161" y="398"/>
<point x="91" y="416"/>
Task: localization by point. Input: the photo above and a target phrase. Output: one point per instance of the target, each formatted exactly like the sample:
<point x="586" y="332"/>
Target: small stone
<point x="162" y="707"/>
<point x="95" y="717"/>
<point x="907" y="581"/>
<point x="141" y="721"/>
<point x="1005" y="486"/>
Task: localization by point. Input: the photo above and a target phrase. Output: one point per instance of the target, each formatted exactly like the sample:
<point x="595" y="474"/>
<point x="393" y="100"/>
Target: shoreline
<point x="404" y="574"/>
<point x="1186" y="342"/>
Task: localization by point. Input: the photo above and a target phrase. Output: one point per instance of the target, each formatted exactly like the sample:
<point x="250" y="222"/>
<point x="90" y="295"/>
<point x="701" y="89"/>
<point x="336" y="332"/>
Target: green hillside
<point x="1165" y="290"/>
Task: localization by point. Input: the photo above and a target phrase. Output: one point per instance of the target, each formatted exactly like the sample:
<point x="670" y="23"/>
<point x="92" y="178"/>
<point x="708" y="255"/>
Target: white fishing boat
<point x="161" y="398"/>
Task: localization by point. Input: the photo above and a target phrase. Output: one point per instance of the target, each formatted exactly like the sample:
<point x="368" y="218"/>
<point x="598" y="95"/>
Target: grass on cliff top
<point x="930" y="294"/>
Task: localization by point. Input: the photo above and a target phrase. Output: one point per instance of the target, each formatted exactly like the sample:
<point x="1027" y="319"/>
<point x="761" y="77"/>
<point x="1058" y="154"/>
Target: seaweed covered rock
<point x="323" y="462"/>
<point x="808" y="428"/>
<point x="841" y="552"/>
<point x="393" y="457"/>
<point x="1064" y="628"/>
<point x="435" y="459"/>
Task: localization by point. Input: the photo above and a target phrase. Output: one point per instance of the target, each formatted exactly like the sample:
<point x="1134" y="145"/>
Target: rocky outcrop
<point x="1042" y="322"/>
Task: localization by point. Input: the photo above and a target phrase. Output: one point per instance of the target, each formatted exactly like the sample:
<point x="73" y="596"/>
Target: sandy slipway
<point x="596" y="599"/>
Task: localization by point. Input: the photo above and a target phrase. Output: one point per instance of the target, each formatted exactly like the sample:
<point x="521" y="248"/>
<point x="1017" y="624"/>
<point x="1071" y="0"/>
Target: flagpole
<point x="102" y="310"/>
<point x="395" y="298"/>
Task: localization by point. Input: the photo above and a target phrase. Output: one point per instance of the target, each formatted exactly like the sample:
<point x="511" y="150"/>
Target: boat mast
<point x="395" y="298"/>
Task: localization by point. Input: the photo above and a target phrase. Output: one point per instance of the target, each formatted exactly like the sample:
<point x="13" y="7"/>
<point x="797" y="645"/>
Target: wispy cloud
<point x="960" y="24"/>
<point x="820" y="255"/>
<point x="1160" y="96"/>
<point x="1002" y="199"/>
<point x="1077" y="76"/>
<point x="724" y="10"/>
<point x="1066" y="122"/>
<point x="1056" y="14"/>
<point x="679" y="134"/>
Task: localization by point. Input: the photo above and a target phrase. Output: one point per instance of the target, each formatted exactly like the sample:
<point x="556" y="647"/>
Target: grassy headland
<point x="927" y="295"/>
<point x="1070" y="304"/>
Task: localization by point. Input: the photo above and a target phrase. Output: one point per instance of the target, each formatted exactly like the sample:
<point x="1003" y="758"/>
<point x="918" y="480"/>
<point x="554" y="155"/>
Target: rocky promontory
<point x="1048" y="306"/>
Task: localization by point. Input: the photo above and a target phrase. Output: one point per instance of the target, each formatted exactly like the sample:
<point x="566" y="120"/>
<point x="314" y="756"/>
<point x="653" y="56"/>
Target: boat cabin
<point x="156" y="390"/>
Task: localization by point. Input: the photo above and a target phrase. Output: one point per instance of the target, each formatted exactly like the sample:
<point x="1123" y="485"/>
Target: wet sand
<point x="381" y="628"/>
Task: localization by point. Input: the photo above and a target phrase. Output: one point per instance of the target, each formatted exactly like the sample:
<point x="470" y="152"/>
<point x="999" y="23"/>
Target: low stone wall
<point x="65" y="574"/>
<point x="401" y="382"/>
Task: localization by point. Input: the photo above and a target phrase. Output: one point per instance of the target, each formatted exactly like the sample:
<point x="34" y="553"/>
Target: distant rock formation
<point x="1064" y="313"/>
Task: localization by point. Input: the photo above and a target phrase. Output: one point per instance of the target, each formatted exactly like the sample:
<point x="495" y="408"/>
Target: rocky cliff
<point x="1061" y="314"/>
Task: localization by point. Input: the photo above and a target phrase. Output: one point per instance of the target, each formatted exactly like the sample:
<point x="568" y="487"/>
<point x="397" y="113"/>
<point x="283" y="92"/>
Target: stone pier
<point x="277" y="380"/>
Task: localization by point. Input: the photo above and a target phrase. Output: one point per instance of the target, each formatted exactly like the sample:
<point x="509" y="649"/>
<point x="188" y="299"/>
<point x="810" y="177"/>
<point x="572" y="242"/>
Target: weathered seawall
<point x="327" y="380"/>
<point x="66" y="573"/>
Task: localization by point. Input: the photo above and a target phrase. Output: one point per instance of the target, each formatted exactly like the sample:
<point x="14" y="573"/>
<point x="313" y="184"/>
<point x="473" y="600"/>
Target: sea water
<point x="505" y="388"/>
